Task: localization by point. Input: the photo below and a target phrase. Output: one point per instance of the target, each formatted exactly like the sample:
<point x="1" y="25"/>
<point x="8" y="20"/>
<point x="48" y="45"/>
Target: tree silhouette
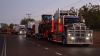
<point x="26" y="20"/>
<point x="91" y="13"/>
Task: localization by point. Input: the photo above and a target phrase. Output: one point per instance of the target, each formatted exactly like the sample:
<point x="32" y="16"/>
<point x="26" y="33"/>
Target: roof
<point x="71" y="16"/>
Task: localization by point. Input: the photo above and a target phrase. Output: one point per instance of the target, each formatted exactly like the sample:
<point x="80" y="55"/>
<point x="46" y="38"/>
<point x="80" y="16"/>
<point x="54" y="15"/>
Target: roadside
<point x="1" y="44"/>
<point x="96" y="38"/>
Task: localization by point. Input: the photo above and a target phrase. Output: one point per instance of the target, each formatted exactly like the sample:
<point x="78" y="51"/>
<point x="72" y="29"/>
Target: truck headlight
<point x="72" y="38"/>
<point x="87" y="38"/>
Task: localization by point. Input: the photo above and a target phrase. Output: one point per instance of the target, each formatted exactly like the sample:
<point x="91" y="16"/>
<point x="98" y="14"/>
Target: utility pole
<point x="28" y="15"/>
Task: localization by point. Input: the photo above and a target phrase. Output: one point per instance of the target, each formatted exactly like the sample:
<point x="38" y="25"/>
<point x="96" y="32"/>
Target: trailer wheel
<point x="50" y="37"/>
<point x="37" y="36"/>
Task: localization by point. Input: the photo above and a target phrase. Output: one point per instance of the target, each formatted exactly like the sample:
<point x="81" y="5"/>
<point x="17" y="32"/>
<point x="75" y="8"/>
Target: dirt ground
<point x="96" y="38"/>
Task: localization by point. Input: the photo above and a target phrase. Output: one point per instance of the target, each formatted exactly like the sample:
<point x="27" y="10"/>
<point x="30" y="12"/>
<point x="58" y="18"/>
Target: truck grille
<point x="80" y="36"/>
<point x="78" y="33"/>
<point x="80" y="40"/>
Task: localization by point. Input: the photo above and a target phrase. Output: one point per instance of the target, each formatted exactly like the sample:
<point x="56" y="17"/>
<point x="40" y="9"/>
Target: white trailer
<point x="30" y="24"/>
<point x="33" y="29"/>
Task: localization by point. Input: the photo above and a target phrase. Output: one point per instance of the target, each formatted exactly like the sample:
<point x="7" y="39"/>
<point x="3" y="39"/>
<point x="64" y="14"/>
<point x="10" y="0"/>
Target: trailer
<point x="33" y="30"/>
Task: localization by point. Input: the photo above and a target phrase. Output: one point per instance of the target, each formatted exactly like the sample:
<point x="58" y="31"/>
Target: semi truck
<point x="65" y="29"/>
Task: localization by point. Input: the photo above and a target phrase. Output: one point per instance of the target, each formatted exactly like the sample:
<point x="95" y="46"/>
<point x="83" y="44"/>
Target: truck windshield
<point x="46" y="17"/>
<point x="70" y="20"/>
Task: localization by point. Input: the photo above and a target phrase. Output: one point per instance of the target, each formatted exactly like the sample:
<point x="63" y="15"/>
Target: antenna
<point x="58" y="13"/>
<point x="68" y="12"/>
<point x="77" y="12"/>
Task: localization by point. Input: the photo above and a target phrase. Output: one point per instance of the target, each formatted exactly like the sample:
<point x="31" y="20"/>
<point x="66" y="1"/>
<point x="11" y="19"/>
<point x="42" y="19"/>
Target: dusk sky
<point x="12" y="11"/>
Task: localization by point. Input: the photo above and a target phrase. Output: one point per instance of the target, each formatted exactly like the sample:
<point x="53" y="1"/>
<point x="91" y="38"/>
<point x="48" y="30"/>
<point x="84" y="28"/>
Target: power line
<point x="73" y="3"/>
<point x="77" y="2"/>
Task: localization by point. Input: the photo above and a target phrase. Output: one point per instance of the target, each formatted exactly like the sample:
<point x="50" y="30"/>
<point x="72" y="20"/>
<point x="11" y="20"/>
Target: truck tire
<point x="64" y="41"/>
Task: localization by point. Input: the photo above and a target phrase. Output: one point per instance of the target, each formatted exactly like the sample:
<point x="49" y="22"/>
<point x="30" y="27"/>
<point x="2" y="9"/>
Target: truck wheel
<point x="64" y="41"/>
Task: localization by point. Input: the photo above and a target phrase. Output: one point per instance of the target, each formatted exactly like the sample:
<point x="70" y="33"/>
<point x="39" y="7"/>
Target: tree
<point x="11" y="25"/>
<point x="26" y="20"/>
<point x="91" y="14"/>
<point x="4" y="27"/>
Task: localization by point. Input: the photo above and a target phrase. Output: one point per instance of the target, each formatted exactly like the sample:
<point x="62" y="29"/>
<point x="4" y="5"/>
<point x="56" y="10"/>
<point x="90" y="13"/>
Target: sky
<point x="13" y="11"/>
